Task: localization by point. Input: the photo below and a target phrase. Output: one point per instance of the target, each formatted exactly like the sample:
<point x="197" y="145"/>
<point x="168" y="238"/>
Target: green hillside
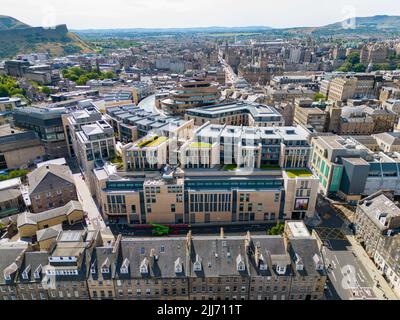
<point x="57" y="41"/>
<point x="9" y="23"/>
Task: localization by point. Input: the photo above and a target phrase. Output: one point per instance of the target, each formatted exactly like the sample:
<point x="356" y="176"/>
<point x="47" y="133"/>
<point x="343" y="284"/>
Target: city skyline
<point x="185" y="14"/>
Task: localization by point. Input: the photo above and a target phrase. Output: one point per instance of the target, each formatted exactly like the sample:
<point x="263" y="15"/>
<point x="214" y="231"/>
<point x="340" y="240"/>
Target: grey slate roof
<point x="48" y="233"/>
<point x="39" y="174"/>
<point x="306" y="249"/>
<point x="167" y="252"/>
<point x="8" y="256"/>
<point x="33" y="261"/>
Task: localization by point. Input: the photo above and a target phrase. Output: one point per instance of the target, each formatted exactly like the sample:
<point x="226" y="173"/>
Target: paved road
<point x="230" y="74"/>
<point x="95" y="220"/>
<point x="351" y="275"/>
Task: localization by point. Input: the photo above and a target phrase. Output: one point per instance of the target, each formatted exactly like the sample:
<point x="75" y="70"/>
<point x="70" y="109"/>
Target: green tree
<point x="319" y="96"/>
<point x="82" y="80"/>
<point x="277" y="230"/>
<point x="359" y="67"/>
<point x="353" y="58"/>
<point x="45" y="90"/>
<point x="382" y="66"/>
<point x="346" y="67"/>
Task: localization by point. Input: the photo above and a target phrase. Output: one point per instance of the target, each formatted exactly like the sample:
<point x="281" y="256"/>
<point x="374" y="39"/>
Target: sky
<point x="109" y="14"/>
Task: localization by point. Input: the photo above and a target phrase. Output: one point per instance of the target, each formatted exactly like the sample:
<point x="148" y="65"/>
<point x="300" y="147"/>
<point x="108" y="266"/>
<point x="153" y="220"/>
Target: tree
<point x="319" y="96"/>
<point x="82" y="80"/>
<point x="353" y="58"/>
<point x="277" y="230"/>
<point x="359" y="67"/>
<point x="45" y="90"/>
<point x="382" y="66"/>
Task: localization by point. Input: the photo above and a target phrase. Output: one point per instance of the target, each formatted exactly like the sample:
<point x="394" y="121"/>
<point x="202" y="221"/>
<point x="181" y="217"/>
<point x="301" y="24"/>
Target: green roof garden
<point x="201" y="145"/>
<point x="151" y="142"/>
<point x="299" y="173"/>
<point x="157" y="142"/>
<point x="230" y="167"/>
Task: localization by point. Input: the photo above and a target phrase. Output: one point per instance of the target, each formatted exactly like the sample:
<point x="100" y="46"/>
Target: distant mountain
<point x="378" y="22"/>
<point x="213" y="29"/>
<point x="375" y="25"/>
<point x="19" y="38"/>
<point x="9" y="23"/>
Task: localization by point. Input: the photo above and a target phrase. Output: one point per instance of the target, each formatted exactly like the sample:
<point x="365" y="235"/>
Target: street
<point x="351" y="274"/>
<point x="95" y="220"/>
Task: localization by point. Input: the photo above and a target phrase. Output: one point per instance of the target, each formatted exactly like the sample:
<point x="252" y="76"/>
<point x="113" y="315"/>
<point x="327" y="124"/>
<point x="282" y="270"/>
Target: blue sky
<point x="81" y="14"/>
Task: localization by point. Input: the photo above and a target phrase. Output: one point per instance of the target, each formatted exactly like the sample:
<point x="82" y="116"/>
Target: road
<point x="230" y="74"/>
<point x="351" y="273"/>
<point x="149" y="105"/>
<point x="95" y="220"/>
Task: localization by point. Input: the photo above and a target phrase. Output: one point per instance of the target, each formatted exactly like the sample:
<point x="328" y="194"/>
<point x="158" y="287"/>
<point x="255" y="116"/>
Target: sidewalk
<point x="373" y="271"/>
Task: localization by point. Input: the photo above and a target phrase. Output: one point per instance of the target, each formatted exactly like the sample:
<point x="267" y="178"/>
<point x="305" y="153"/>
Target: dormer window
<point x="318" y="262"/>
<point x="280" y="269"/>
<point x="93" y="268"/>
<point x="144" y="268"/>
<point x="263" y="266"/>
<point x="261" y="262"/>
<point x="240" y="265"/>
<point x="38" y="272"/>
<point x="197" y="264"/>
<point x="7" y="277"/>
<point x="25" y="275"/>
<point x="178" y="265"/>
<point x="105" y="267"/>
<point x="299" y="263"/>
<point x="105" y="270"/>
<point x="125" y="266"/>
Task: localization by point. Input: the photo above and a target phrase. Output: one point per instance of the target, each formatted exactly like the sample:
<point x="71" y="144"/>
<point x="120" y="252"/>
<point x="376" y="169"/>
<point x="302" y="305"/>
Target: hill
<point x="23" y="39"/>
<point x="9" y="23"/>
<point x="360" y="26"/>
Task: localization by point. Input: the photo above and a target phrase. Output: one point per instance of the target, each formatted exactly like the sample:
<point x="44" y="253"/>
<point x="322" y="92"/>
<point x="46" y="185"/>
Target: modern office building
<point x="95" y="143"/>
<point x="236" y="113"/>
<point x="191" y="94"/>
<point x="348" y="168"/>
<point x="131" y="123"/>
<point x="73" y="122"/>
<point x="20" y="149"/>
<point x="149" y="153"/>
<point x="47" y="123"/>
<point x="206" y="196"/>
<point x="7" y="105"/>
